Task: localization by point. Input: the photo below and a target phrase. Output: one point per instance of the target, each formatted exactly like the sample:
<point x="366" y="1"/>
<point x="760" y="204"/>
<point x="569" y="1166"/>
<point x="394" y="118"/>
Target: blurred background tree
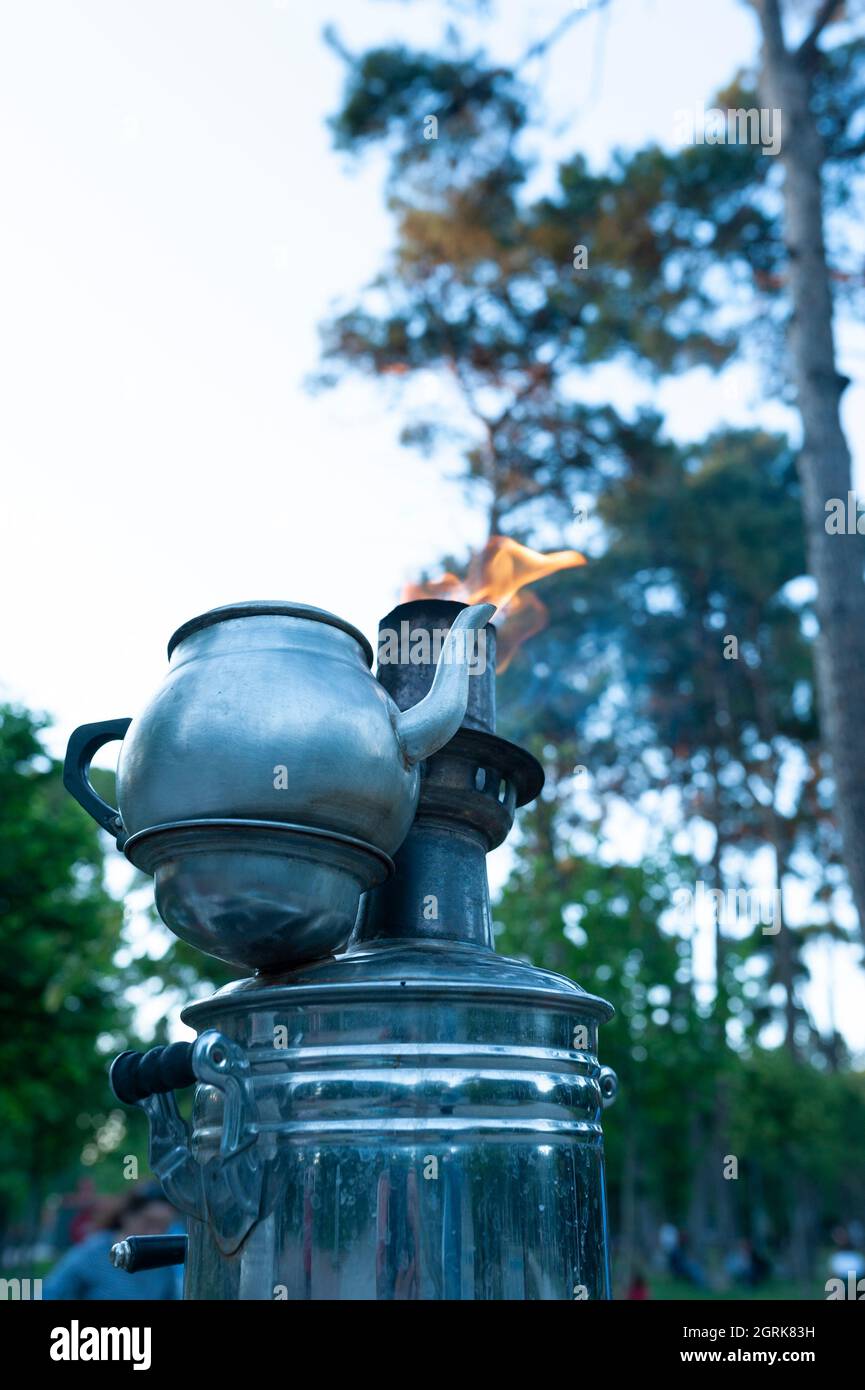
<point x="71" y="990"/>
<point x="680" y="258"/>
<point x="675" y="680"/>
<point x="672" y="694"/>
<point x="63" y="1009"/>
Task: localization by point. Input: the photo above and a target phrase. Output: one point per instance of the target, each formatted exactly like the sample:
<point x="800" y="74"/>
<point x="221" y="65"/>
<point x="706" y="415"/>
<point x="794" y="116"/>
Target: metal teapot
<point x="271" y="777"/>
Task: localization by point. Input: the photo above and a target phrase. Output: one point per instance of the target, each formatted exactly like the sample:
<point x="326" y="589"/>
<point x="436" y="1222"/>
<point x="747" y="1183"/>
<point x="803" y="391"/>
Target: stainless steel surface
<point x="417" y="1117"/>
<point x="257" y="893"/>
<point x="439" y="890"/>
<point x="425" y="1127"/>
<point x="609" y="1083"/>
<point x="408" y="682"/>
<point x="256" y="693"/>
<point x="223" y="1185"/>
<point x="428" y="725"/>
<point x="269" y="714"/>
<point x="260" y="608"/>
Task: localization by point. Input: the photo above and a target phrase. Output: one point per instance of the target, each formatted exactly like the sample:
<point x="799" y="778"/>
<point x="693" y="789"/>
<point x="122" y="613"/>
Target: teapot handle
<point x="80" y="752"/>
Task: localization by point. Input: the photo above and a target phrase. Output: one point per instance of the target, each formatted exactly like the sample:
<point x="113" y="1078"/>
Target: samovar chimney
<point x="469" y="793"/>
<point x="416" y="631"/>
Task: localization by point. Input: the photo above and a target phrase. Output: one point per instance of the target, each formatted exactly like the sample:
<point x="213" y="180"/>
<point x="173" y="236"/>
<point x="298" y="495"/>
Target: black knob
<point x="148" y="1252"/>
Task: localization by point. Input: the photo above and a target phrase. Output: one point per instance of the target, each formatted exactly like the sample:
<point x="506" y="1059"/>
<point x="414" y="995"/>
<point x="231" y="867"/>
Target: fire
<point x="499" y="574"/>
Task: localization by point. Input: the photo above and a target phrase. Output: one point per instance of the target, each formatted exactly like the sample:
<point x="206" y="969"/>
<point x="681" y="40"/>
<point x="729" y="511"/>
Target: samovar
<point x="405" y="1115"/>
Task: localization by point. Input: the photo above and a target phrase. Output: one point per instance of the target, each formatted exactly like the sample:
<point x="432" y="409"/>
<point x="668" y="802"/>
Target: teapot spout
<point x="428" y="725"/>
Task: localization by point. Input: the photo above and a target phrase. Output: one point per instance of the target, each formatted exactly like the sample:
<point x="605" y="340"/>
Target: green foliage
<point x="394" y="88"/>
<point x="598" y="923"/>
<point x="773" y="1126"/>
<point x="658" y="1043"/>
<point x="61" y="1001"/>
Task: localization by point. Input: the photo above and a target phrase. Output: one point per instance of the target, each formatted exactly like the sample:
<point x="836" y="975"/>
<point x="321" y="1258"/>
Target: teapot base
<point x="258" y="894"/>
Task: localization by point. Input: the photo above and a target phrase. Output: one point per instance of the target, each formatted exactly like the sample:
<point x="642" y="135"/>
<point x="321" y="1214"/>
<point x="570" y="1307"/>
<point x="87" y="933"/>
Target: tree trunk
<point x="702" y="1175"/>
<point x="725" y="1189"/>
<point x="784" y="948"/>
<point x="628" y="1211"/>
<point x="835" y="561"/>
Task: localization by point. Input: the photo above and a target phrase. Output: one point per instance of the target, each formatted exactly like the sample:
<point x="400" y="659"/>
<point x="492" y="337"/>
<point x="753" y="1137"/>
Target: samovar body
<point x="426" y="1124"/>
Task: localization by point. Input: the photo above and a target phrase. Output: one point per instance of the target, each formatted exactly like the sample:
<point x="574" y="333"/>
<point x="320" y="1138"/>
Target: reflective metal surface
<point x="270" y="717"/>
<point x="257" y="893"/>
<point x="275" y="716"/>
<point x="417" y="1117"/>
<point x="424" y="1125"/>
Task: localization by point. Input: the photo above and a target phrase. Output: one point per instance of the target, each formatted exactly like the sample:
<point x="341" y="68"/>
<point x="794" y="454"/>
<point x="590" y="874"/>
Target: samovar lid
<point x="256" y="608"/>
<point x="399" y="968"/>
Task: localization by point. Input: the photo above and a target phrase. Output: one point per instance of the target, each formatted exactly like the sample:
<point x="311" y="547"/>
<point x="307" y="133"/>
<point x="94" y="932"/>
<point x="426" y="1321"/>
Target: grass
<point x="772" y="1291"/>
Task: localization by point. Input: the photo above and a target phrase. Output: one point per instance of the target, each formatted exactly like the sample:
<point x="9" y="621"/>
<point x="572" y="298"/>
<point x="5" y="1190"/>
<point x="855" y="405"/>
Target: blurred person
<point x="747" y="1266"/>
<point x="75" y="1213"/>
<point x="668" y="1239"/>
<point x="85" y="1218"/>
<point x="682" y="1264"/>
<point x="761" y="1267"/>
<point x="86" y="1271"/>
<point x="638" y="1288"/>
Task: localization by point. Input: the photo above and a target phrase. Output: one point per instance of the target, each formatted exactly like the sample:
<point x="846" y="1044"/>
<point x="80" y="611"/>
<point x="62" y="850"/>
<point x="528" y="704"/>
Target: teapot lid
<point x="257" y="608"/>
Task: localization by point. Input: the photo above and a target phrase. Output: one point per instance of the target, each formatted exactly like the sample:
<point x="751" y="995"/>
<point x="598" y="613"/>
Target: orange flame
<point x="499" y="574"/>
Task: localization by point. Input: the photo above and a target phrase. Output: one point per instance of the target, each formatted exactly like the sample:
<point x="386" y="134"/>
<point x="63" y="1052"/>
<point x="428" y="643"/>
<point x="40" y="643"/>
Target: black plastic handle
<point x="80" y="752"/>
<point x="136" y="1075"/>
<point x="148" y="1252"/>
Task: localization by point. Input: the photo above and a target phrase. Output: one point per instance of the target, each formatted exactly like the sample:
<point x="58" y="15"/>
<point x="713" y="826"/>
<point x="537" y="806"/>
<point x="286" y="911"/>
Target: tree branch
<point x="827" y="12"/>
<point x="537" y="50"/>
<point x="772" y="27"/>
<point x="854" y="151"/>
